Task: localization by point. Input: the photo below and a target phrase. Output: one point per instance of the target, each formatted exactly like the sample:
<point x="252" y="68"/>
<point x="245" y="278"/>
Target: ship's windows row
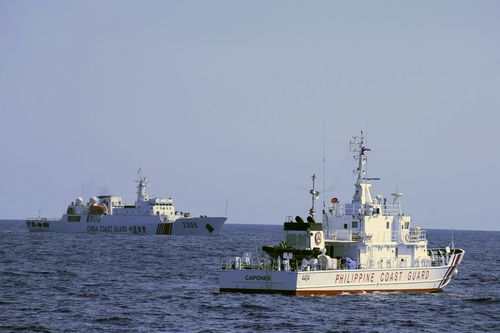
<point x="38" y="225"/>
<point x="164" y="208"/>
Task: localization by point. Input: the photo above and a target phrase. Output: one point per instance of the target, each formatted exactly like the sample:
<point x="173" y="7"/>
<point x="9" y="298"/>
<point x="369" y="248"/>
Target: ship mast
<point x="362" y="186"/>
<point x="324" y="165"/>
<point x="358" y="148"/>
<point x="314" y="196"/>
<point x="141" y="187"/>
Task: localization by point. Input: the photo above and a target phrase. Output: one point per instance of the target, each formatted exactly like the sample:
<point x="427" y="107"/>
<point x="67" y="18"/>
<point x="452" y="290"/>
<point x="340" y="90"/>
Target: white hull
<point x="118" y="224"/>
<point x="332" y="282"/>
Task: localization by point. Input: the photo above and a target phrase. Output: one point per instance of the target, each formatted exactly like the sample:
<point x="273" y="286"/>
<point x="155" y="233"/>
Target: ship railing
<point x="422" y="262"/>
<point x="344" y="235"/>
<point x="236" y="263"/>
<point x="376" y="236"/>
<point x="409" y="236"/>
<point x="346" y="209"/>
<point x="365" y="209"/>
<point x="439" y="261"/>
<point x="348" y="235"/>
<point x="241" y="263"/>
<point x="417" y="234"/>
<point x="391" y="210"/>
<point x="440" y="257"/>
<point x="330" y="234"/>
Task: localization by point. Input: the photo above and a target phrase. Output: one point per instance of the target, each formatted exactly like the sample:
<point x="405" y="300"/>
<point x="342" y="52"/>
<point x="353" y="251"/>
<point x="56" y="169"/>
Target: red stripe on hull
<point x="338" y="292"/>
<point x="256" y="291"/>
<point x="325" y="292"/>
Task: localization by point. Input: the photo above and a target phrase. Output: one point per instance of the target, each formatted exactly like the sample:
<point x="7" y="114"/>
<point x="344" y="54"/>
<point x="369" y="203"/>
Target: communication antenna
<point x="324" y="168"/>
<point x="227" y="203"/>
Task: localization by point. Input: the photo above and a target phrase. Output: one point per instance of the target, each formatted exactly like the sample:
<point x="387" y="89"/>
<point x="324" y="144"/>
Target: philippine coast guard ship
<point x="107" y="214"/>
<point x="367" y="245"/>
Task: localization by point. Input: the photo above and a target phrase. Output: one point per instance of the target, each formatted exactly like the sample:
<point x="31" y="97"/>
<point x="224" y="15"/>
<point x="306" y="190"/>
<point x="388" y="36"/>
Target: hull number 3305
<point x="190" y="225"/>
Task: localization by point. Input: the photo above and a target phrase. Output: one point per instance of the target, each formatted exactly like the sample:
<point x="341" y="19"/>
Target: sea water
<point x="54" y="282"/>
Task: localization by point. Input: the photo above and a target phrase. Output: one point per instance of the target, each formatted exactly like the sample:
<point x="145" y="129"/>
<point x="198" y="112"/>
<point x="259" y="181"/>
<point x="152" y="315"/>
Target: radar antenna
<point x="396" y="200"/>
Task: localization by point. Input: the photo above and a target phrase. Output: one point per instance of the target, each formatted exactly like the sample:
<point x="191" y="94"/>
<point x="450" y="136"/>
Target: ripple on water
<point x="95" y="283"/>
<point x="483" y="300"/>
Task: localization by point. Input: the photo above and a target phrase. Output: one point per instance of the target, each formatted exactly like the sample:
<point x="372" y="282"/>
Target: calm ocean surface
<point x="116" y="283"/>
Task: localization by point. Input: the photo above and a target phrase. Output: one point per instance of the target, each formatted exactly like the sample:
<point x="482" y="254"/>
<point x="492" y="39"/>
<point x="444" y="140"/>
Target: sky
<point x="231" y="104"/>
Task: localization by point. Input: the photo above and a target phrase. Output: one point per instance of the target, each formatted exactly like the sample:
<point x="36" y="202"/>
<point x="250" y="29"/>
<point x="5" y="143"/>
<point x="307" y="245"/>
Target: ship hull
<point x="115" y="224"/>
<point x="334" y="282"/>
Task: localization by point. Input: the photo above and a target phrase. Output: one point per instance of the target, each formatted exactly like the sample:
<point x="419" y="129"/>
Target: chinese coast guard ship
<point x="367" y="245"/>
<point x="107" y="214"/>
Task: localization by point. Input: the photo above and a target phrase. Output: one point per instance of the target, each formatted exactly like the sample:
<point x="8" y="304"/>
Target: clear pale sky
<point x="226" y="100"/>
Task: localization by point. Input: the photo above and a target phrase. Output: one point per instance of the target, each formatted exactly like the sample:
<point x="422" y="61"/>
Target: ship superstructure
<point x="366" y="245"/>
<point x="373" y="230"/>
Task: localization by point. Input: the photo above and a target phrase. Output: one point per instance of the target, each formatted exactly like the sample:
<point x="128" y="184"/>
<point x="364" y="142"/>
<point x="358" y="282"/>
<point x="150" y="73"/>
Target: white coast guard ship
<point x="107" y="214"/>
<point x="367" y="246"/>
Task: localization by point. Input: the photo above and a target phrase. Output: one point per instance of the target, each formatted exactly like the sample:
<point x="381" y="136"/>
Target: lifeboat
<point x="97" y="209"/>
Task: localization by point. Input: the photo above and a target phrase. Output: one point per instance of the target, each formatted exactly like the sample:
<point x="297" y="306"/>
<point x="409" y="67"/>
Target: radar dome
<point x="93" y="200"/>
<point x="79" y="201"/>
